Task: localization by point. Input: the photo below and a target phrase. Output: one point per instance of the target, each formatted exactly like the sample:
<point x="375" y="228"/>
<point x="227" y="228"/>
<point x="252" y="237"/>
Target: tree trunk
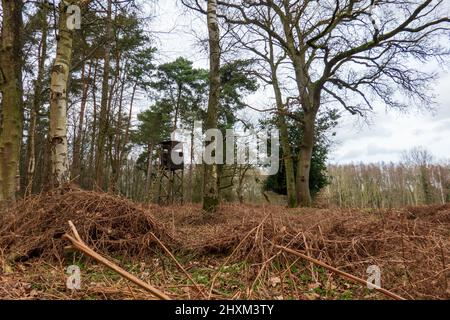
<point x="304" y="159"/>
<point x="148" y="185"/>
<point x="130" y="114"/>
<point x="103" y="118"/>
<point x="210" y="182"/>
<point x="12" y="97"/>
<point x="240" y="188"/>
<point x="92" y="146"/>
<point x="116" y="157"/>
<point x="76" y="163"/>
<point x="288" y="162"/>
<point x="122" y="144"/>
<point x="191" y="168"/>
<point x="37" y="100"/>
<point x="177" y="107"/>
<point x="309" y="98"/>
<point x="58" y="101"/>
<point x="284" y="134"/>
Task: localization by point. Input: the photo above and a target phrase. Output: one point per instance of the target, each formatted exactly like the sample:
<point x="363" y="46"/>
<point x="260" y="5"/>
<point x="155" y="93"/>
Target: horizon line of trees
<point x="415" y="180"/>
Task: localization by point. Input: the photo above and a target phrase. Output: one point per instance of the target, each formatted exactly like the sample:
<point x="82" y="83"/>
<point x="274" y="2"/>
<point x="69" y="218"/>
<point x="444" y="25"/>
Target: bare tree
<point x="339" y="52"/>
<point x="270" y="59"/>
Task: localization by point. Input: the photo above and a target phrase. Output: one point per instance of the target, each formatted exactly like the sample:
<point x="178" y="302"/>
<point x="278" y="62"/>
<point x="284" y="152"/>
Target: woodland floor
<point x="231" y="255"/>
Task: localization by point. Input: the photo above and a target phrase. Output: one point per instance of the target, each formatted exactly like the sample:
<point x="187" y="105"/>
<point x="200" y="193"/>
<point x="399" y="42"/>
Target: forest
<point x="128" y="172"/>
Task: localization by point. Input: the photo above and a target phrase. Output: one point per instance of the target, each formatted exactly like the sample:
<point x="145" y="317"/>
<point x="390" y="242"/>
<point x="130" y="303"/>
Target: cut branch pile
<point x="33" y="227"/>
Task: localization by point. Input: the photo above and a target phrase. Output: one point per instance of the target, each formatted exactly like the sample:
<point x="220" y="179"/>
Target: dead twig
<point x="342" y="273"/>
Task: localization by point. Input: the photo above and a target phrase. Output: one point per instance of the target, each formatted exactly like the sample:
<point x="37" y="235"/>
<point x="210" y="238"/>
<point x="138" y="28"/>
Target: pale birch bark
<point x="58" y="101"/>
<point x="60" y="172"/>
<point x="210" y="181"/>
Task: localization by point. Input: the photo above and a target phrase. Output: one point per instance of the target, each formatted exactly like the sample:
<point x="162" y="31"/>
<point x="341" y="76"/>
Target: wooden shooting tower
<point x="171" y="174"/>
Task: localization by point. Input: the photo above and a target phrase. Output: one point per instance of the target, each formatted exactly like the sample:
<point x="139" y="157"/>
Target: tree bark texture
<point x="12" y="97"/>
<point x="210" y="182"/>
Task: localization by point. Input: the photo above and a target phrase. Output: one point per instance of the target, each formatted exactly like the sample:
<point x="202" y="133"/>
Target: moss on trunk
<point x="12" y="98"/>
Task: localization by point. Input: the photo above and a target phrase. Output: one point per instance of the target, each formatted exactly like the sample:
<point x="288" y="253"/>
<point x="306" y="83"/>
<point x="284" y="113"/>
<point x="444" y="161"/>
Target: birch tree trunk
<point x="58" y="102"/>
<point x="12" y="97"/>
<point x="191" y="168"/>
<point x="210" y="181"/>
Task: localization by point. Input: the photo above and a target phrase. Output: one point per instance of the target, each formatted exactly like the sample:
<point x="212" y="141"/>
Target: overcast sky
<point x="384" y="139"/>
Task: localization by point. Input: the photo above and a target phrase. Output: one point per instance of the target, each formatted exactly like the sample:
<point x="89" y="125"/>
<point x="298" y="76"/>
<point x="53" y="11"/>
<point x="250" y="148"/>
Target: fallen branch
<point x="342" y="273"/>
<point x="79" y="245"/>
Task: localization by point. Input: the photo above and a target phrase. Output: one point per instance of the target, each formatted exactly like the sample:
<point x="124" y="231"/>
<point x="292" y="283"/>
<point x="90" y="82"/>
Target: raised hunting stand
<point x="171" y="175"/>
